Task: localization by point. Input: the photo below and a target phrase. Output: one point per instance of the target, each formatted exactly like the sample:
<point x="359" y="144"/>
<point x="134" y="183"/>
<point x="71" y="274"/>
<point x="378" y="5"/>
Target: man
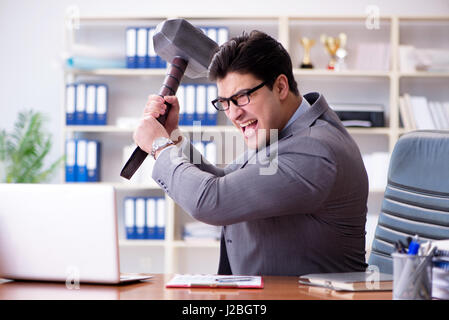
<point x="308" y="215"/>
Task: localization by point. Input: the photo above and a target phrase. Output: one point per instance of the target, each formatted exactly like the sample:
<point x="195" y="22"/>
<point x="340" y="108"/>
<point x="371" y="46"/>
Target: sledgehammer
<point x="190" y="51"/>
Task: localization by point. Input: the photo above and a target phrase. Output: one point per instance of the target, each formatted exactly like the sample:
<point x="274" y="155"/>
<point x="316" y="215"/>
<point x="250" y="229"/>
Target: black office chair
<point x="416" y="200"/>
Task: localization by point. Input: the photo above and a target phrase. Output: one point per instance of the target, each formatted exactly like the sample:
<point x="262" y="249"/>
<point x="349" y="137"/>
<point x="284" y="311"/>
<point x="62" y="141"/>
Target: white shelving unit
<point x="128" y="90"/>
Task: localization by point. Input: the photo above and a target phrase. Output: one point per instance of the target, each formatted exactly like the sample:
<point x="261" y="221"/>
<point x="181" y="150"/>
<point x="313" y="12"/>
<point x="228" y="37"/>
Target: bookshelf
<point x="424" y="33"/>
<point x="128" y="90"/>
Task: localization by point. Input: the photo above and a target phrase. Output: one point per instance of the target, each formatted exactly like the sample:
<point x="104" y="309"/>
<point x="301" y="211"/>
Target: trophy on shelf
<point x="307" y="44"/>
<point x="336" y="50"/>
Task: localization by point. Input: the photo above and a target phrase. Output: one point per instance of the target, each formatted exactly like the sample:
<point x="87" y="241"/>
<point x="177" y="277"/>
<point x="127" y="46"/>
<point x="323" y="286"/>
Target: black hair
<point x="257" y="54"/>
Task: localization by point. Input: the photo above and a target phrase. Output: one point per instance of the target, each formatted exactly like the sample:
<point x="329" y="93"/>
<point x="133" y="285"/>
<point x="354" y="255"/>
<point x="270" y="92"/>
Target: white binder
<point x="70" y="104"/>
<point x="190" y="104"/>
<point x="223" y="35"/>
<point x="90" y="104"/>
<point x="160" y="221"/>
<point x="129" y="217"/>
<point x="80" y="109"/>
<point x="102" y="105"/>
<point x="211" y="111"/>
<point x="152" y="56"/>
<point x="81" y="159"/>
<point x="70" y="175"/>
<point x="131" y="47"/>
<point x="140" y="218"/>
<point x="92" y="161"/>
<point x="151" y="218"/>
<point x="142" y="46"/>
<point x="201" y="103"/>
<point x="212" y="33"/>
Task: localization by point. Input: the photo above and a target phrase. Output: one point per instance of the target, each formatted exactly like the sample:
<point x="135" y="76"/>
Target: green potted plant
<point x="23" y="151"/>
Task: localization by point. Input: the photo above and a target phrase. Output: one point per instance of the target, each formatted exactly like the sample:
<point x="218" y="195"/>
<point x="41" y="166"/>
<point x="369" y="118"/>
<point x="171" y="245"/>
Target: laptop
<point x="68" y="232"/>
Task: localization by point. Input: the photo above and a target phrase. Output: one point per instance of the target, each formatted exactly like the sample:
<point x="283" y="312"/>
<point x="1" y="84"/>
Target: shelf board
<point x="197" y="244"/>
<point x="124" y="18"/>
<point x="118" y="72"/>
<point x="423" y="74"/>
<point x="369" y="131"/>
<point x="424" y="18"/>
<point x="176" y="244"/>
<point x="342" y="73"/>
<point x="108" y="129"/>
<point x="296" y="71"/>
<point x="141" y="243"/>
<point x="119" y="18"/>
<point x="232" y="129"/>
<point x="131" y="186"/>
<point x="228" y="128"/>
<point x="122" y="185"/>
<point x="115" y="129"/>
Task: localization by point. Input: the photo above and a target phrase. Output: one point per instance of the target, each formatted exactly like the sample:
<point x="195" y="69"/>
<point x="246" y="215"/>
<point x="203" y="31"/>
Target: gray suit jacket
<point x="308" y="217"/>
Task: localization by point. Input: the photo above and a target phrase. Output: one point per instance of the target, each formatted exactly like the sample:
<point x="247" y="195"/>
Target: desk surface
<point x="275" y="288"/>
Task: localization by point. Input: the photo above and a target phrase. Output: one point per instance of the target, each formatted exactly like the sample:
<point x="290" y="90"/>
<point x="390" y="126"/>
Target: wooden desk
<point x="276" y="288"/>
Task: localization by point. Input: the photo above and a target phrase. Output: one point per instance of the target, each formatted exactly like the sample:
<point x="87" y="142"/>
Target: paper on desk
<point x="209" y="280"/>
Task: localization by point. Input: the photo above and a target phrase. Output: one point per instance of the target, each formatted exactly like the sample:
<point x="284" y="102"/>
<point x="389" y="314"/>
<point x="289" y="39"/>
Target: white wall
<point x="31" y="34"/>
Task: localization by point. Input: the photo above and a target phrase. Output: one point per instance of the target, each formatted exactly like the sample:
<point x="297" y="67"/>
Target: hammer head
<point x="177" y="37"/>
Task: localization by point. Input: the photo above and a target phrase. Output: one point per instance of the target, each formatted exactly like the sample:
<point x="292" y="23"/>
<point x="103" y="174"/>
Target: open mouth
<point x="249" y="128"/>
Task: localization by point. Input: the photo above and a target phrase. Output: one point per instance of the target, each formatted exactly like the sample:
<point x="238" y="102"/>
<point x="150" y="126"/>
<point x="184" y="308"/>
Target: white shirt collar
<point x="303" y="107"/>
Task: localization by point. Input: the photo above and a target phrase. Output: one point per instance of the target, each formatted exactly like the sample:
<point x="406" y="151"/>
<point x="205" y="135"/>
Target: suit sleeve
<point x="296" y="183"/>
<point x="195" y="157"/>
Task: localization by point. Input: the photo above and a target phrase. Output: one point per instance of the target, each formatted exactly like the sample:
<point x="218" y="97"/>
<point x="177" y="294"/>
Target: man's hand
<point x="155" y="106"/>
<point x="149" y="128"/>
<point x="147" y="131"/>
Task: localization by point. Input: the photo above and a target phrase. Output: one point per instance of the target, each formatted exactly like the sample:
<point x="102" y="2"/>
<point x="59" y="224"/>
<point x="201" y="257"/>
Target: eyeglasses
<point x="239" y="99"/>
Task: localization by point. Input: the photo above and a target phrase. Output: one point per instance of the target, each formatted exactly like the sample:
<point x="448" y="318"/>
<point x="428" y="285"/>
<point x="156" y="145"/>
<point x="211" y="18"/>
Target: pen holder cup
<point x="412" y="277"/>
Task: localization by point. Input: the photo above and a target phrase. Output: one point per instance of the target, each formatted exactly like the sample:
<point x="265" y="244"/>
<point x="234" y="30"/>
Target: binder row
<point x="195" y="104"/>
<point x="208" y="149"/>
<point x="82" y="160"/>
<point x="219" y="34"/>
<point x="86" y="104"/>
<point x="144" y="217"/>
<point x="140" y="50"/>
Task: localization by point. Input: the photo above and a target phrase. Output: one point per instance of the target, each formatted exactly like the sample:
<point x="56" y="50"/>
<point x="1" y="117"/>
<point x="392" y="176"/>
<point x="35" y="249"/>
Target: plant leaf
<point x="27" y="147"/>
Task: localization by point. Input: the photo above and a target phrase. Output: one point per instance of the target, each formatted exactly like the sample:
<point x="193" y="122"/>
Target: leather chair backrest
<point x="416" y="200"/>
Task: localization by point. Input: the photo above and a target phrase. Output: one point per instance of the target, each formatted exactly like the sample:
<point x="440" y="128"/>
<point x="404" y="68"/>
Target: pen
<point x="414" y="246"/>
<point x="400" y="247"/>
<point x="233" y="279"/>
<point x="403" y="246"/>
<point x="409" y="239"/>
<point x="425" y="248"/>
<point x="211" y="285"/>
<point x="423" y="264"/>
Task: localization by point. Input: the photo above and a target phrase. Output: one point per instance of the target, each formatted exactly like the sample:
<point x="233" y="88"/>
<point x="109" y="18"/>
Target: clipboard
<point x="349" y="281"/>
<point x="215" y="281"/>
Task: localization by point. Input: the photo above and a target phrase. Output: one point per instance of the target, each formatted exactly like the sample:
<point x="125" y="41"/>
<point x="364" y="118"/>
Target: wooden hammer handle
<point x="169" y="88"/>
<point x="171" y="83"/>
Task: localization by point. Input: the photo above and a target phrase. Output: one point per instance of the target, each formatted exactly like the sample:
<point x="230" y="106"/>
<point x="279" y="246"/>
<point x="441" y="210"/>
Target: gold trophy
<point x="335" y="48"/>
<point x="307" y="44"/>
